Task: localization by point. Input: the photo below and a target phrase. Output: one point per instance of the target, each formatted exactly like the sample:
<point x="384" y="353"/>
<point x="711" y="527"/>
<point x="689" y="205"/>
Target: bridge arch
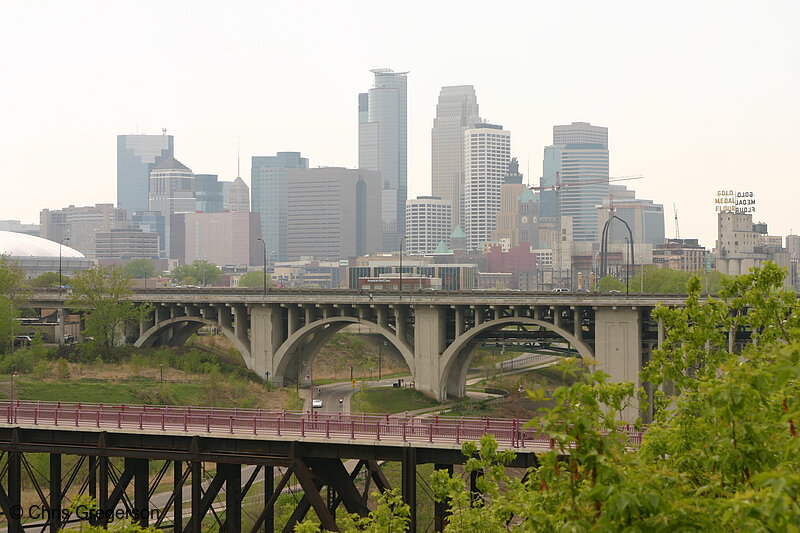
<point x="456" y="358"/>
<point x="193" y="323"/>
<point x="320" y="331"/>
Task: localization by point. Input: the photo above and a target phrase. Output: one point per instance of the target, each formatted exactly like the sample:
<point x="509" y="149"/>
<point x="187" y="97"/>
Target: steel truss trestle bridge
<point x="311" y="447"/>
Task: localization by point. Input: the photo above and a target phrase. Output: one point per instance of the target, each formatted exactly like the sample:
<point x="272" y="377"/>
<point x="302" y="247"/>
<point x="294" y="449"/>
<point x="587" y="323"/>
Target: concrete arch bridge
<point x="435" y="332"/>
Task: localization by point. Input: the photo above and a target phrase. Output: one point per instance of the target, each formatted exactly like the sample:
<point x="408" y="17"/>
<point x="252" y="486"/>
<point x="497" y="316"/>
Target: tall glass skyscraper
<point x="456" y="111"/>
<point x="383" y="147"/>
<point x="584" y="172"/>
<point x="269" y="198"/>
<point x="208" y="193"/>
<point x="136" y="157"/>
<point x="578" y="159"/>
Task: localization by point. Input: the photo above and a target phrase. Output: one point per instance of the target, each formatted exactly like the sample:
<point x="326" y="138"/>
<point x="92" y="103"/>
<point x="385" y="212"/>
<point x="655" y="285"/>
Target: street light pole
<point x="272" y="262"/>
<point x="402" y="241"/>
<point x="627" y="267"/>
<point x="265" y="265"/>
<point x="380" y="359"/>
<point x="641" y="281"/>
<point x="60" y="282"/>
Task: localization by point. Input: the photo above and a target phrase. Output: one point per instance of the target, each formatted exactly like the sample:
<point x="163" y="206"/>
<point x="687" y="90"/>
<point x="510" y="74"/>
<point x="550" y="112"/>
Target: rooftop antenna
<point x="528" y="177"/>
<point x="163" y="131"/>
<point x="677" y="229"/>
<point x="238" y="159"/>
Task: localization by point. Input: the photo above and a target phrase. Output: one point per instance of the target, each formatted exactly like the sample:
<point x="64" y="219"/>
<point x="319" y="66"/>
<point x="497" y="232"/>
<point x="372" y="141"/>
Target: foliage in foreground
<point x="723" y="453"/>
<point x="101" y="293"/>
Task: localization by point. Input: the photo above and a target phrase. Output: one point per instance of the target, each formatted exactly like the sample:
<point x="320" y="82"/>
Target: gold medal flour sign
<point x="730" y="201"/>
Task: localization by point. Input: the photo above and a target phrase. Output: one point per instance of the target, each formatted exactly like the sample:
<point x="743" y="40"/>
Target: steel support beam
<point x="269" y="505"/>
<point x="102" y="483"/>
<point x="119" y="490"/>
<point x="269" y="491"/>
<point x="233" y="499"/>
<point x="177" y="495"/>
<point x="207" y="500"/>
<point x="141" y="490"/>
<point x="194" y="526"/>
<point x="312" y="497"/>
<point x="55" y="492"/>
<point x="408" y="474"/>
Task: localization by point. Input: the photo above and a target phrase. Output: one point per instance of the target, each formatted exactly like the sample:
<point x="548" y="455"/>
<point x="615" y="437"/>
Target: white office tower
<point x="383" y="147"/>
<point x="487" y="152"/>
<point x="428" y="223"/>
<point x="456" y="111"/>
<point x="580" y="133"/>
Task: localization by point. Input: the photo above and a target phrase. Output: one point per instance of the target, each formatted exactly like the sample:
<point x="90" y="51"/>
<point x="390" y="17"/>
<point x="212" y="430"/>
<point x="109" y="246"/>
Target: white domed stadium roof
<point x="20" y="245"/>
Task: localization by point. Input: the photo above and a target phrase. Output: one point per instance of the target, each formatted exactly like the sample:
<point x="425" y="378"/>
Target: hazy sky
<point x="697" y="95"/>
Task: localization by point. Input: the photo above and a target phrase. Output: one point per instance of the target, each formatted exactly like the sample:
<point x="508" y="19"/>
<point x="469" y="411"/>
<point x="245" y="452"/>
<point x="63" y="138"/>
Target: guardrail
<point x="258" y="422"/>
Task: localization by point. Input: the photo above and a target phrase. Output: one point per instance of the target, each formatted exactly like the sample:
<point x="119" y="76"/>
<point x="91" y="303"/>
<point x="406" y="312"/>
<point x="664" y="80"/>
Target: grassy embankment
<point x="177" y="376"/>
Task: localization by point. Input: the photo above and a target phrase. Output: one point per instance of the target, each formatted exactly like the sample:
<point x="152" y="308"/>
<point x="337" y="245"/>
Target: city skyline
<point x="697" y="105"/>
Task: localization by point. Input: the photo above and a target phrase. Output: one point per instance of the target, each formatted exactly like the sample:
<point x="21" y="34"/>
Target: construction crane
<point x="558" y="186"/>
<point x="677" y="229"/>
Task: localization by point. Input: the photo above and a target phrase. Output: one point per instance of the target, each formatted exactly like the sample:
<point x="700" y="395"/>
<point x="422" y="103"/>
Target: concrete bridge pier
<point x="618" y="348"/>
<point x="267" y="333"/>
<point x="429" y="343"/>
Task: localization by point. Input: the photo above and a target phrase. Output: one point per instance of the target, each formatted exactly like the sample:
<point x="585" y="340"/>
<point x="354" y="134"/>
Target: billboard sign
<point x="730" y="201"/>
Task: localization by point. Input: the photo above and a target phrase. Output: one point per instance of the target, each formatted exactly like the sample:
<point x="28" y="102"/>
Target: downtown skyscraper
<point x="578" y="162"/>
<point x="383" y="147"/>
<point x="456" y="111"/>
<point x="487" y="153"/>
<point x="269" y="180"/>
<point x="136" y="157"/>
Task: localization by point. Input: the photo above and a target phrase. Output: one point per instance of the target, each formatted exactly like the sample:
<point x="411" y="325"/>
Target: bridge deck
<point x="293" y="426"/>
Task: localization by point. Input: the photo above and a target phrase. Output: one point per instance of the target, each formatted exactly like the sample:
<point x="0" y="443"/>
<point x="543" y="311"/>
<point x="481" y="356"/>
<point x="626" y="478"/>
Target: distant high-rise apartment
<point x="487" y="152"/>
<point x="383" y="147"/>
<point x="333" y="213"/>
<point x="428" y="223"/>
<point x="208" y="193"/>
<point x="136" y="157"/>
<point x="171" y="192"/>
<point x="456" y="111"/>
<point x="77" y="227"/>
<point x="269" y="175"/>
<point x="236" y="196"/>
<point x="578" y="158"/>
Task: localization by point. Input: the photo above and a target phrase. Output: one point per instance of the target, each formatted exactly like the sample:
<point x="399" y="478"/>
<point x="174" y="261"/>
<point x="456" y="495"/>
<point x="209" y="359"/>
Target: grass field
<point x="389" y="400"/>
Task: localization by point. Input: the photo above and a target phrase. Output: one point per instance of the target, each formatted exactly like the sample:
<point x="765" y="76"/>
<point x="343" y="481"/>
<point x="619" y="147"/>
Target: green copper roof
<point x="528" y="196"/>
<point x="458" y="233"/>
<point x="442" y="248"/>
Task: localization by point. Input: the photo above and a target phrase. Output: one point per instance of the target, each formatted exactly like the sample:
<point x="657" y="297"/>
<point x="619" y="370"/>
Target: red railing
<point x="309" y="424"/>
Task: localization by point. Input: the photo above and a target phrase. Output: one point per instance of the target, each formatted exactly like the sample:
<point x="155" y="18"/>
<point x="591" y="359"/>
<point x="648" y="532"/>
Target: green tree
<point x="652" y="279"/>
<point x="722" y="454"/>
<point x="48" y="279"/>
<point x="254" y="280"/>
<point x="609" y="283"/>
<point x="199" y="272"/>
<point x="11" y="279"/>
<point x="102" y="294"/>
<point x="139" y="268"/>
